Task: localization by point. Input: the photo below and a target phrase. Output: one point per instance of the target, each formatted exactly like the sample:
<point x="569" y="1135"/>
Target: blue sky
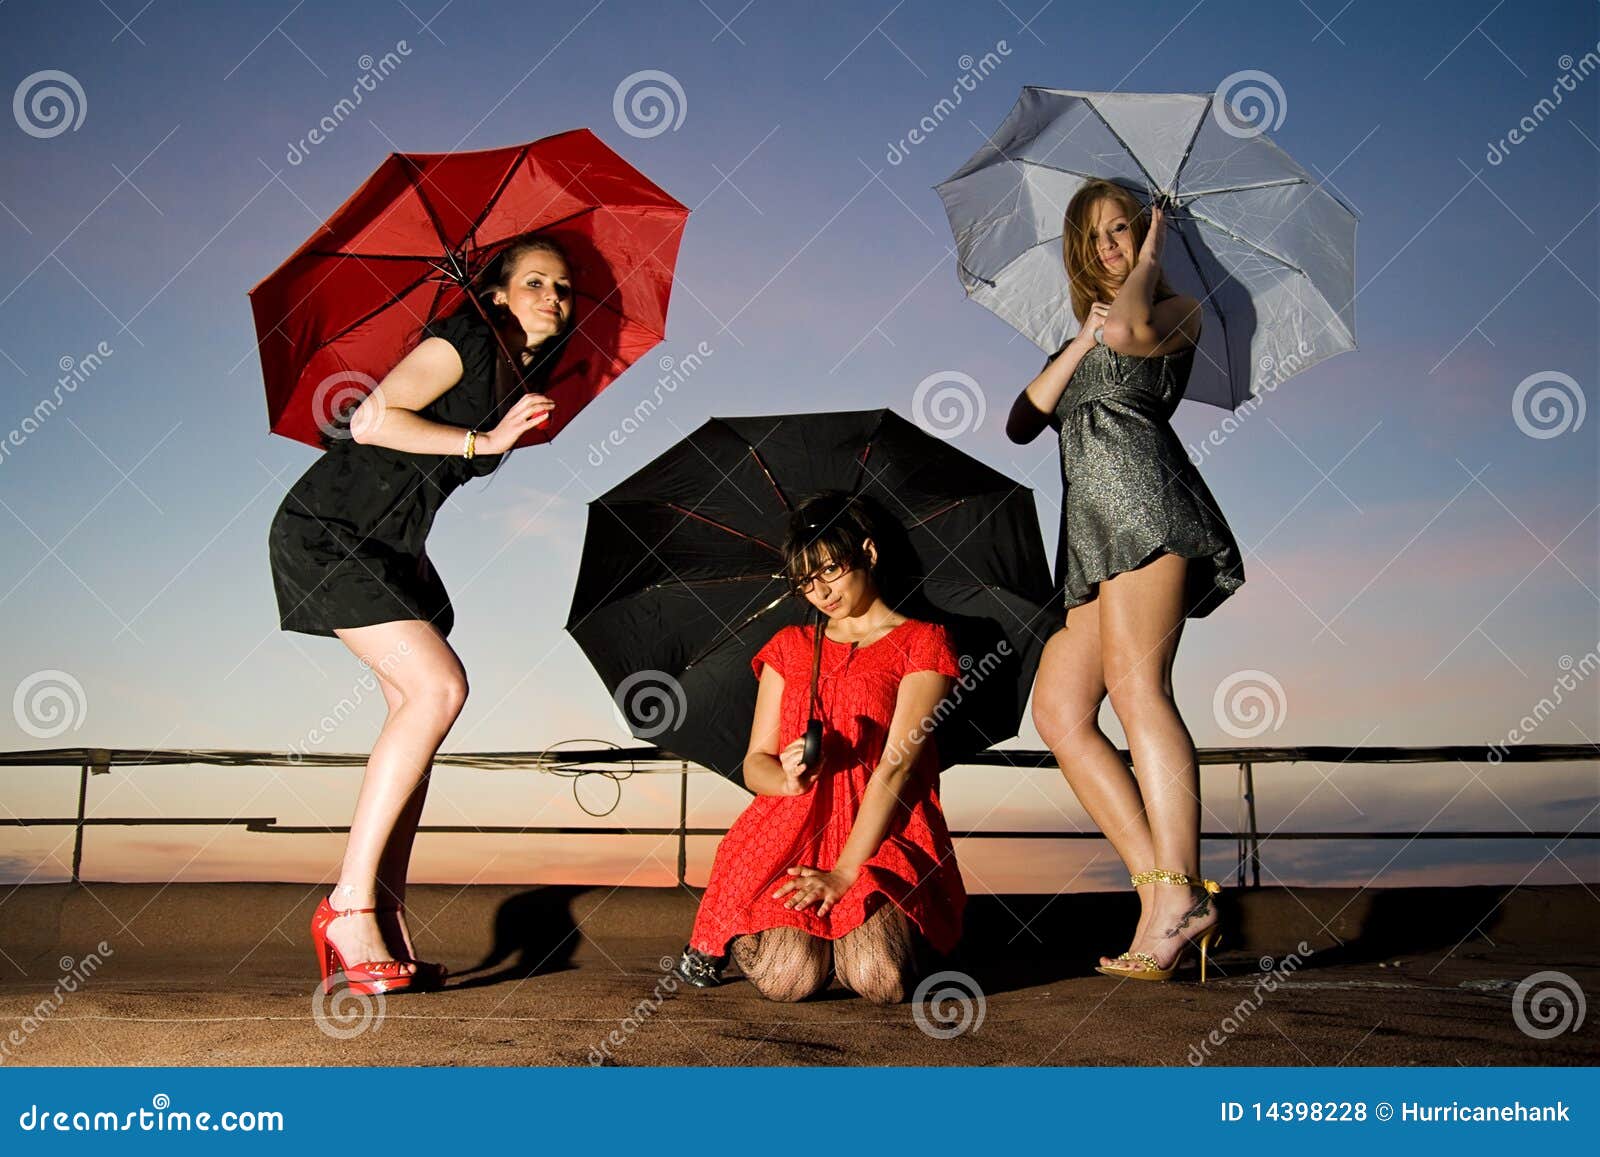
<point x="1418" y="565"/>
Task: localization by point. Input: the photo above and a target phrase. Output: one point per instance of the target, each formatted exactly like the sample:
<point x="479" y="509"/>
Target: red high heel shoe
<point x="368" y="978"/>
<point x="429" y="974"/>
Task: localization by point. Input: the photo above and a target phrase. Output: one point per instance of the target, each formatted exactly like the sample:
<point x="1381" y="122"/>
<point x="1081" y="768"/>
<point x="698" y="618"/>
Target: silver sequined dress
<point x="1129" y="488"/>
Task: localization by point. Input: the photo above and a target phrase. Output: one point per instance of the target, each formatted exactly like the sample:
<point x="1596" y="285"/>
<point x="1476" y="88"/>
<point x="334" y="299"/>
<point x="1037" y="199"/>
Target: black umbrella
<point x="678" y="587"/>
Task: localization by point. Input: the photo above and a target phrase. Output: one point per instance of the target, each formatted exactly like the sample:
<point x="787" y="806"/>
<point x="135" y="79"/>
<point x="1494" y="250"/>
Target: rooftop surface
<point x="223" y="974"/>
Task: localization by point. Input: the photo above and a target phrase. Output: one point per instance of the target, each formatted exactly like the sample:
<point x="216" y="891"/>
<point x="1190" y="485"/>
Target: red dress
<point x="914" y="868"/>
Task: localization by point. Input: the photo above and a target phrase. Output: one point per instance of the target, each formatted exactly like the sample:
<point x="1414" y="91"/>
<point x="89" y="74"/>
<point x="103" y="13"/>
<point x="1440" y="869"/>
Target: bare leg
<point x="1066" y="709"/>
<point x="878" y="960"/>
<point x="783" y="963"/>
<point x="414" y="657"/>
<point x="1141" y="620"/>
<point x="396" y="862"/>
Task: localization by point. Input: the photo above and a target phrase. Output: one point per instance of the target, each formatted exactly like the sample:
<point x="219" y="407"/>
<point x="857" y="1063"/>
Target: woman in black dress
<point x="1143" y="546"/>
<point x="347" y="548"/>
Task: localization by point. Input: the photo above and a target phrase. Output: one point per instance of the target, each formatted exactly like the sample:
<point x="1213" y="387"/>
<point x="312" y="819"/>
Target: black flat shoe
<point x="700" y="970"/>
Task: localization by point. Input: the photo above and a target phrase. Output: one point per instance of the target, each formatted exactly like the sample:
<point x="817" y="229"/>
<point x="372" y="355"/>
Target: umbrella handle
<point x="812" y="751"/>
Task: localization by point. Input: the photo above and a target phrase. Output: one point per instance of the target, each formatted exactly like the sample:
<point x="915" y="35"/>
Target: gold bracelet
<point x="471" y="446"/>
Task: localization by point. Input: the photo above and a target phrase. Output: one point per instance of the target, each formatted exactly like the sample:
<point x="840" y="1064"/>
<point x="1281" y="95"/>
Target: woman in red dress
<point x="847" y="863"/>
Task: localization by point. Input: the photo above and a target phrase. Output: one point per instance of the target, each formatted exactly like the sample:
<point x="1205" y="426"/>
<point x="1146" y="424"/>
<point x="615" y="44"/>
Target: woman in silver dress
<point x="1143" y="546"/>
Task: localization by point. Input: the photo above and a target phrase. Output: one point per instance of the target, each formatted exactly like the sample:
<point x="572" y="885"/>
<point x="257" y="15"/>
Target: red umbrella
<point x="335" y="317"/>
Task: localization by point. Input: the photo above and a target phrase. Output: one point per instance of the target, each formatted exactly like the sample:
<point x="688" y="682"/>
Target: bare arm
<point x="1137" y="327"/>
<point x="766" y="771"/>
<point x="390" y="415"/>
<point x="1030" y="413"/>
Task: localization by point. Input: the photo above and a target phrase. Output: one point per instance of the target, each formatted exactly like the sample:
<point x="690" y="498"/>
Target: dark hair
<point x="831" y="525"/>
<point x="495" y="276"/>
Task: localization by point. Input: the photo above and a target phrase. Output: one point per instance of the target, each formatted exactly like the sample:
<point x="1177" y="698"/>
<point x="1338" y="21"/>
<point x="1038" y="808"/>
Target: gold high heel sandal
<point x="1210" y="938"/>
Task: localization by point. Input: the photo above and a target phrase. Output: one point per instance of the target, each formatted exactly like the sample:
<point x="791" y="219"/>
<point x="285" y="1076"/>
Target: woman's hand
<point x="809" y="885"/>
<point x="526" y="412"/>
<point x="797" y="777"/>
<point x="1085" y="338"/>
<point x="1155" y="238"/>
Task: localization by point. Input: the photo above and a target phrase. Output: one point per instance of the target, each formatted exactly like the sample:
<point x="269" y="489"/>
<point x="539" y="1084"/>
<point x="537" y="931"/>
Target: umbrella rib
<point x="1188" y="149"/>
<point x="490" y="201"/>
<point x="1219" y="227"/>
<point x="732" y="633"/>
<point x="942" y="510"/>
<point x="1222" y="318"/>
<point x="866" y="453"/>
<point x="1245" y="188"/>
<point x="1148" y="180"/>
<point x="687" y="513"/>
<point x="773" y="482"/>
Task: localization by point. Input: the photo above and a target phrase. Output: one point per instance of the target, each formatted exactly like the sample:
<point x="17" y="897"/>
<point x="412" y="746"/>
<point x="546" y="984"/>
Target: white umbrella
<point x="1268" y="251"/>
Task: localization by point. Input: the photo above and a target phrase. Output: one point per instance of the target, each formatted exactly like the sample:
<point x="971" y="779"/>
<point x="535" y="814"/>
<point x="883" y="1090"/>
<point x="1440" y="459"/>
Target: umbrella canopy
<point x="1268" y="252"/>
<point x="678" y="586"/>
<point x="335" y="317"/>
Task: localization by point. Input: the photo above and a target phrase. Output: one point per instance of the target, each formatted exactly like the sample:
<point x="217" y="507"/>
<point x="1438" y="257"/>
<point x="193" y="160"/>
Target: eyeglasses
<point x="831" y="573"/>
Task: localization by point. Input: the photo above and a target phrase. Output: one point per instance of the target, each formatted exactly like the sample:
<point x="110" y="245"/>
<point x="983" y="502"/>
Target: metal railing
<point x="617" y="761"/>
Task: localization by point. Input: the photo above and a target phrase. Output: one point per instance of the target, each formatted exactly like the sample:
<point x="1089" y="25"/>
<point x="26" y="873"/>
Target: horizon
<point x="1418" y="516"/>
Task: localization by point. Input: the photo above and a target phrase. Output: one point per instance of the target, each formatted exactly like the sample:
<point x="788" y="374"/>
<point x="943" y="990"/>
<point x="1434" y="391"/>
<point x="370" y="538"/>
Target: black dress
<point x="347" y="543"/>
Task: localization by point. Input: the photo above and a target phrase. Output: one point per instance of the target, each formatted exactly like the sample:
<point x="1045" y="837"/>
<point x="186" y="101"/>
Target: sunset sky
<point x="1421" y="553"/>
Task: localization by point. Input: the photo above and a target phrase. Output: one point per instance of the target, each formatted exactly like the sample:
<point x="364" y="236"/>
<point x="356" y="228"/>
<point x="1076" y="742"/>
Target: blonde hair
<point x="1087" y="277"/>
